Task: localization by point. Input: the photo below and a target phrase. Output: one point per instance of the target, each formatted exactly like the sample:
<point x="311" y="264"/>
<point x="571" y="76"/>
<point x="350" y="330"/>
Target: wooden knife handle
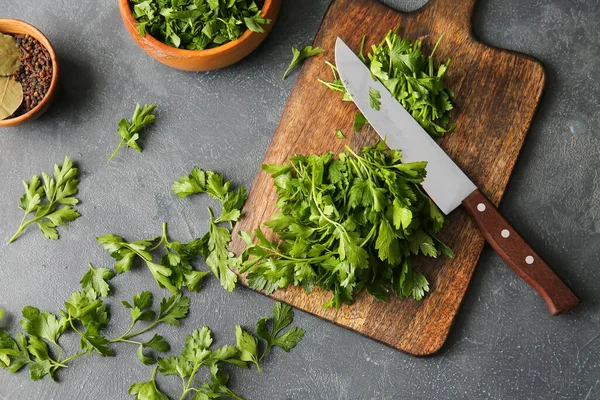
<point x="518" y="255"/>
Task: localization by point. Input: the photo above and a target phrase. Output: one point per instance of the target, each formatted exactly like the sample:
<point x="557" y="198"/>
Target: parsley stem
<point x="165" y="232"/>
<point x="58" y="365"/>
<point x="230" y="393"/>
<point x="281" y="255"/>
<point x="24" y="225"/>
<point x="74" y="356"/>
<point x="371" y="232"/>
<point x="264" y="353"/>
<point x="182" y="381"/>
<point x="163" y="239"/>
<point x="125" y="341"/>
<point x="127" y="335"/>
<point x="116" y="150"/>
<point x="186" y="387"/>
<point x="153" y="378"/>
<point x="70" y="319"/>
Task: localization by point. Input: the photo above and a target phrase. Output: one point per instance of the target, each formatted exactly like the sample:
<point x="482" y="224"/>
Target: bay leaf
<point x="9" y="55"/>
<point x="11" y="96"/>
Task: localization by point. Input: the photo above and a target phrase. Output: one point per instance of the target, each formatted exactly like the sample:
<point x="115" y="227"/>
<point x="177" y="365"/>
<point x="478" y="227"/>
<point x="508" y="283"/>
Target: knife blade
<point x="445" y="182"/>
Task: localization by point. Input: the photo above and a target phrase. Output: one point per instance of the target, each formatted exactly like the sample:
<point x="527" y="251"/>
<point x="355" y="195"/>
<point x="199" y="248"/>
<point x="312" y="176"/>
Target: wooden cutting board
<point x="497" y="93"/>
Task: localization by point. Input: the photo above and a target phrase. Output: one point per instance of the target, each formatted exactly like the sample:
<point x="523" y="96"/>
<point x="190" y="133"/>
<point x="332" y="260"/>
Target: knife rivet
<point x="481" y="207"/>
<point x="529" y="260"/>
<point x="505" y="233"/>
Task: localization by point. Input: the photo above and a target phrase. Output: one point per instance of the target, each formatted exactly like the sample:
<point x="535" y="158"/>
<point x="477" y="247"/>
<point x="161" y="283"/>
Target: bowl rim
<point x="185" y="53"/>
<point x="53" y="82"/>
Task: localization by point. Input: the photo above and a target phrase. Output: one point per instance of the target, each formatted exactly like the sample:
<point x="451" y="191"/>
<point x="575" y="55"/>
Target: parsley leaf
<point x="147" y="390"/>
<point x="97" y="279"/>
<point x="13" y="352"/>
<point x="247" y="345"/>
<point x="411" y="77"/>
<point x="347" y="224"/>
<point x="282" y="318"/>
<point x="218" y="257"/>
<point x="130" y="130"/>
<point x="42" y="324"/>
<point x="359" y="122"/>
<point x="45" y="197"/>
<point x="173" y="309"/>
<point x="300" y="55"/>
<point x="339" y="134"/>
<point x="374" y="97"/>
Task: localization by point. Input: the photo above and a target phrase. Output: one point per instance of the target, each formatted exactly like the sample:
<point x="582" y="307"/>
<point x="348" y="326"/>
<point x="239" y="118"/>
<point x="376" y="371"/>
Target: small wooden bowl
<point x="15" y="26"/>
<point x="200" y="60"/>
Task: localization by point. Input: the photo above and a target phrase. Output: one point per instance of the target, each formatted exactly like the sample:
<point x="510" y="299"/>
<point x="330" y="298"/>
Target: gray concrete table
<point x="504" y="344"/>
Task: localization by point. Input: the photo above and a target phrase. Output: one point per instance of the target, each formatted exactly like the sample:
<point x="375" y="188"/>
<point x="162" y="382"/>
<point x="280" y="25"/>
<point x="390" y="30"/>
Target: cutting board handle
<point x="455" y="13"/>
<point x="518" y="255"/>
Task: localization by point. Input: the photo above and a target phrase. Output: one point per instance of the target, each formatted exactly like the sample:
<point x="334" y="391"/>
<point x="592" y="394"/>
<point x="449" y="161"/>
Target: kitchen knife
<point x="446" y="183"/>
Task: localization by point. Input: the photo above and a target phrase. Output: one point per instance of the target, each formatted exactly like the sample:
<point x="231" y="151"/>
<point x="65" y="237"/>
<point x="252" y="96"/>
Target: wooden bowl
<point x="200" y="60"/>
<point x="15" y="26"/>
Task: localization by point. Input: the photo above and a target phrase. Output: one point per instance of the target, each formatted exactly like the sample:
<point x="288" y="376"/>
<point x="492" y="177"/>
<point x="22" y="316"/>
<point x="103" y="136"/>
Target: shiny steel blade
<point x="447" y="185"/>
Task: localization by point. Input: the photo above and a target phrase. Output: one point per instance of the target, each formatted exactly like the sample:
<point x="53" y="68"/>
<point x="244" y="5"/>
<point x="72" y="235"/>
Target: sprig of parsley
<point x="51" y="200"/>
<point x="174" y="271"/>
<point x="216" y="240"/>
<point x="346" y="225"/>
<point x="215" y="185"/>
<point x="85" y="314"/>
<point x="39" y="347"/>
<point x="411" y="77"/>
<point x="130" y="130"/>
<point x="197" y="25"/>
<point x="198" y="354"/>
<point x="298" y="56"/>
<point x="172" y="309"/>
<point x="282" y="318"/>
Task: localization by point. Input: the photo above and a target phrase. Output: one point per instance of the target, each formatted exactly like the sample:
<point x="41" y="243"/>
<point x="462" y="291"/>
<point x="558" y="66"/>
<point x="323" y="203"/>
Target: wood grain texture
<point x="497" y="93"/>
<point x="518" y="255"/>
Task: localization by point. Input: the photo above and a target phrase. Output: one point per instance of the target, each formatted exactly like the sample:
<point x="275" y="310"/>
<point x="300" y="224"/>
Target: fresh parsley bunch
<point x="348" y="224"/>
<point x="411" y="77"/>
<point x="197" y="24"/>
